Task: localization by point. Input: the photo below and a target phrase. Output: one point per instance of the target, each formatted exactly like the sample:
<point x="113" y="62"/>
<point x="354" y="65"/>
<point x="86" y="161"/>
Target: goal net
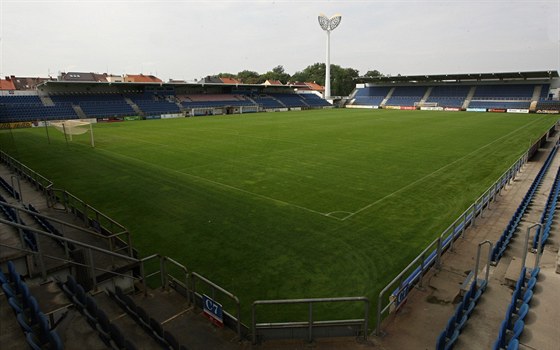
<point x="74" y="127"/>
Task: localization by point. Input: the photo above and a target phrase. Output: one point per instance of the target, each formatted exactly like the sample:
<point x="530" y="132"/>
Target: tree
<point x="314" y="73"/>
<point x="227" y="75"/>
<point x="373" y="73"/>
<point x="277" y="73"/>
<point x="249" y="77"/>
<point x="343" y="80"/>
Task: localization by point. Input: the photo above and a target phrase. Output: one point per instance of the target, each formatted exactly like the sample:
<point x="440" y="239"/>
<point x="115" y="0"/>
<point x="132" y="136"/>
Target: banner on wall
<point x="132" y="117"/>
<point x="408" y="108"/>
<point x="476" y="109"/>
<point x="496" y="110"/>
<point x="431" y="108"/>
<point x="547" y="111"/>
<point x="392" y="107"/>
<point x="516" y="110"/>
<point x="452" y="109"/>
<point x="16" y="125"/>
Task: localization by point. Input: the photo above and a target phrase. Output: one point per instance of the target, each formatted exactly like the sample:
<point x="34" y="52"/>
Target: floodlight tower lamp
<point x="328" y="25"/>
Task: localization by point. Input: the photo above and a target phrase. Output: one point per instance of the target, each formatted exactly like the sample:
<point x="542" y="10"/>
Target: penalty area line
<point x="225" y="185"/>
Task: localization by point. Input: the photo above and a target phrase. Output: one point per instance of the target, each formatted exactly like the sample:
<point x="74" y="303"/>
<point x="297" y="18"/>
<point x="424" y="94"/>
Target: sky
<point x="187" y="40"/>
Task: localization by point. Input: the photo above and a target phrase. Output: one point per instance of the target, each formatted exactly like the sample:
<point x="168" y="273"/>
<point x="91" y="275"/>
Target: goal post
<point x="74" y="127"/>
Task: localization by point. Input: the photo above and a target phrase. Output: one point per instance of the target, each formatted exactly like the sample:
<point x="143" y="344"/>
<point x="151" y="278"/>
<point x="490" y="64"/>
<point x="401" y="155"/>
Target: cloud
<point x="190" y="39"/>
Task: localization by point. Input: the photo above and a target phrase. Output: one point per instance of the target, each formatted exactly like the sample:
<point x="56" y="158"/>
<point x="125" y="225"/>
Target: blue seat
<point x="3" y="278"/>
<point x="509" y="314"/>
<point x="527" y="297"/>
<point x="157" y="330"/>
<point x="69" y="287"/>
<point x="531" y="283"/>
<point x="23" y="323"/>
<point x="523" y="310"/>
<point x="501" y="341"/>
<point x="55" y="343"/>
<point x="513" y="344"/>
<point x="15" y="305"/>
<point x="90" y="311"/>
<point x="460" y="317"/>
<point x="12" y="270"/>
<point x="32" y="341"/>
<point x="441" y="341"/>
<point x="103" y="327"/>
<point x="44" y="327"/>
<point x="8" y="291"/>
<point x="517" y="329"/>
<point x="79" y="299"/>
<point x="117" y="338"/>
<point x="33" y="309"/>
<point x="171" y="340"/>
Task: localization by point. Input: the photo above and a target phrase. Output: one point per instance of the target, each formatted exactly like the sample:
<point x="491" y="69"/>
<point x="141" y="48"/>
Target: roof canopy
<point x="540" y="75"/>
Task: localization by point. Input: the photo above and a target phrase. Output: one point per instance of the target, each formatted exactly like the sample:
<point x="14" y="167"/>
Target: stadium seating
<point x="19" y="112"/>
<point x="505" y="92"/>
<point x="458" y="320"/>
<point x="406" y="95"/>
<point x="500" y="104"/>
<point x="267" y="102"/>
<point x="548" y="213"/>
<point x="10" y="214"/>
<point x="503" y="242"/>
<point x="214" y="101"/>
<point x="37" y="330"/>
<point x="152" y="104"/>
<point x="313" y="100"/>
<point x="513" y="324"/>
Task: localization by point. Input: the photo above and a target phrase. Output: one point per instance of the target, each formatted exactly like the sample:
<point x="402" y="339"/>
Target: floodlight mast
<point x="328" y="25"/>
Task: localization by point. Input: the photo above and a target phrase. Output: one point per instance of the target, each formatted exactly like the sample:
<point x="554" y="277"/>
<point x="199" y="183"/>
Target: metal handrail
<point x="310" y="322"/>
<point x="214" y="286"/>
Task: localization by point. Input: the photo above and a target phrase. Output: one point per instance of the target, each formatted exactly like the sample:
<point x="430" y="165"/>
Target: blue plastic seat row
<point x="548" y="213"/>
<point x="28" y="236"/>
<point x="448" y="337"/>
<point x="108" y="332"/>
<point x="34" y="324"/>
<point x="149" y="324"/>
<point x="514" y="320"/>
<point x="48" y="227"/>
<point x="9" y="188"/>
<point x="503" y="242"/>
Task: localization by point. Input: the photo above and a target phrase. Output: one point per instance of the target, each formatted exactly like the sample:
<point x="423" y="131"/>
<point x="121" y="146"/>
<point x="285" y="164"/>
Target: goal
<point x="74" y="127"/>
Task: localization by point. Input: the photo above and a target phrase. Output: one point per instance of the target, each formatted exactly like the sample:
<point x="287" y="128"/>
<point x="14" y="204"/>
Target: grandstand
<point x="84" y="95"/>
<point x="501" y="92"/>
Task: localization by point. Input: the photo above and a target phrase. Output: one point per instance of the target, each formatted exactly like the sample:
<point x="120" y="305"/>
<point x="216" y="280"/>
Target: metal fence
<point x="310" y="328"/>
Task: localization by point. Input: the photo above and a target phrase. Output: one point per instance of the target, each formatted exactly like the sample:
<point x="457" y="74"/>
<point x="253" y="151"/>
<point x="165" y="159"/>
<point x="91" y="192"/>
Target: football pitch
<point x="286" y="205"/>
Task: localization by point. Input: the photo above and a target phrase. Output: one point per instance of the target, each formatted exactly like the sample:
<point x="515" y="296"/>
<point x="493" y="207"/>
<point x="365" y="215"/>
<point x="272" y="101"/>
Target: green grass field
<point x="286" y="205"/>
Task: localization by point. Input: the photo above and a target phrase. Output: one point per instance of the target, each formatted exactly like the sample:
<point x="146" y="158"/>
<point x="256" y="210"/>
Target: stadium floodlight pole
<point x="328" y="25"/>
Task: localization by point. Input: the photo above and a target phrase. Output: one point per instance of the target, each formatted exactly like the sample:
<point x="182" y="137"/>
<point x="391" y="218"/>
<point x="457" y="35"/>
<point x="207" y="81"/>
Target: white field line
<point x="225" y="185"/>
<point x="434" y="172"/>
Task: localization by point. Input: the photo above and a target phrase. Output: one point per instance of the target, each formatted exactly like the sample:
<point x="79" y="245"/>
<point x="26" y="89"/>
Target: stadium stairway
<point x="428" y="310"/>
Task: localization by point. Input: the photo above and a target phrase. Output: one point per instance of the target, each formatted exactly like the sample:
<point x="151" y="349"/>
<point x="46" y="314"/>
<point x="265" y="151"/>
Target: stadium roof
<point x="537" y="75"/>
